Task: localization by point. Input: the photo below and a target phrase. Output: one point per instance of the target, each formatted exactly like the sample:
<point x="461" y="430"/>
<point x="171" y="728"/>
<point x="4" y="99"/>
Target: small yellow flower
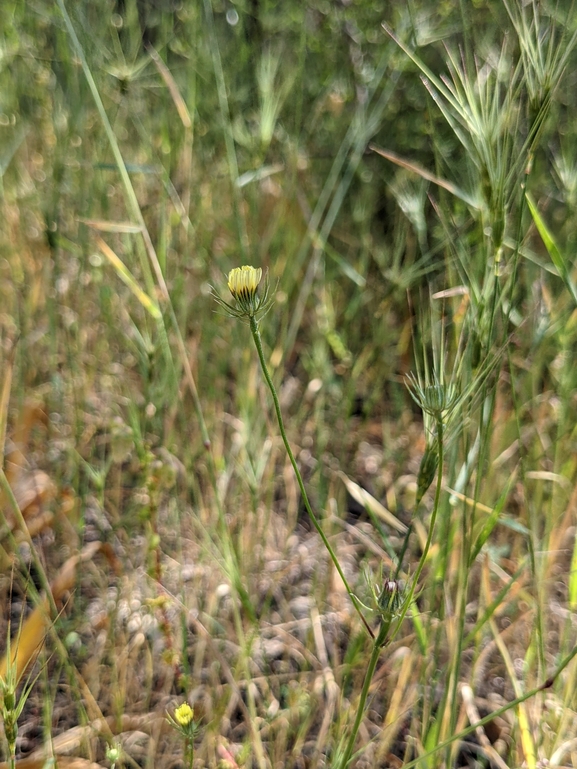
<point x="243" y="282"/>
<point x="249" y="301"/>
<point x="183" y="714"/>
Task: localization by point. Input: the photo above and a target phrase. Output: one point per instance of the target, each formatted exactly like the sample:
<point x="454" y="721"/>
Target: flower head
<point x="436" y="399"/>
<point x="390" y="597"/>
<point x="183" y="714"/>
<point x="387" y="595"/>
<point x="113" y="753"/>
<point x="182" y="720"/>
<point x="243" y="284"/>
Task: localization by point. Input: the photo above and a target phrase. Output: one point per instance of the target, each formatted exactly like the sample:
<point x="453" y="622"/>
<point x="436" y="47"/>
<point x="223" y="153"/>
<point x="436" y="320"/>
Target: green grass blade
<point x="552" y="248"/>
<point x="491" y="521"/>
<point x="128" y="279"/>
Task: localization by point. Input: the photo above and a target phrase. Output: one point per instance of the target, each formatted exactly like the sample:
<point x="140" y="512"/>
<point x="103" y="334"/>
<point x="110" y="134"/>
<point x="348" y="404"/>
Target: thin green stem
<point x="257" y="340"/>
<point x="378" y="644"/>
<point x="409" y="599"/>
<point x="189" y="751"/>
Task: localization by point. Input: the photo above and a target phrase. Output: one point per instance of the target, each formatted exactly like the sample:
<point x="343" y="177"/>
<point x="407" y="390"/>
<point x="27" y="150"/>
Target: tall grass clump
<point x="340" y="532"/>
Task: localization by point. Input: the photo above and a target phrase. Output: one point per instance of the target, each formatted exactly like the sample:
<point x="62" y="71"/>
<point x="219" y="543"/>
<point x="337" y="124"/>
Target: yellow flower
<point x="243" y="282"/>
<point x="183" y="714"/>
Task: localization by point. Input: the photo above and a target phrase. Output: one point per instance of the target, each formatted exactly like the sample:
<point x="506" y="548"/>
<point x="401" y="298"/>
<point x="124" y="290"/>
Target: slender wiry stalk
<point x="257" y="340"/>
<point x="409" y="599"/>
<point x="381" y="638"/>
<point x="378" y="644"/>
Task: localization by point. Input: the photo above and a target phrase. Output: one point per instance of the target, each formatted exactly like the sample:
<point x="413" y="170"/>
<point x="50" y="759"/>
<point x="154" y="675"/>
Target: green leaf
<point x="491" y="521"/>
<point x="552" y="248"/>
